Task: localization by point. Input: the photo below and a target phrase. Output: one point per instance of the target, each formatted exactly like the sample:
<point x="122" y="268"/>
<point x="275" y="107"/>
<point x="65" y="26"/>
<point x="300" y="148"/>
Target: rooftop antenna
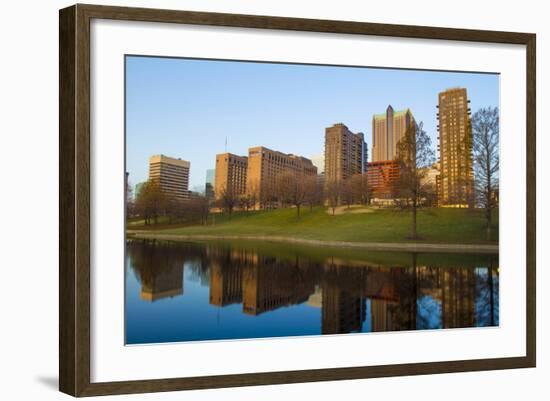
<point x="226" y="144"/>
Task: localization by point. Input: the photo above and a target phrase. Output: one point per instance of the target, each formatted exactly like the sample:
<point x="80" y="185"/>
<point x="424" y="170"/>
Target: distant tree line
<point x="292" y="189"/>
<point x="151" y="204"/>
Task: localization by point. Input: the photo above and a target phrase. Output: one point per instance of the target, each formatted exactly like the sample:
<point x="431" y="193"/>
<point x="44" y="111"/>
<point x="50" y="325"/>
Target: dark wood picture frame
<point x="74" y="203"/>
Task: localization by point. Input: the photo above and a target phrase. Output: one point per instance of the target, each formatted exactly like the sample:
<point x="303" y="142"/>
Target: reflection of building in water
<point x="458" y="298"/>
<point x="346" y="289"/>
<point x="159" y="268"/>
<point x="344" y="297"/>
<point x="342" y="312"/>
<point x="380" y="288"/>
<point x="454" y="290"/>
<point x="269" y="285"/>
<point x="225" y="283"/>
<point x="226" y="273"/>
<point x="167" y="283"/>
<point x="164" y="280"/>
<point x="382" y="316"/>
<point x="353" y="295"/>
<point x="316" y="299"/>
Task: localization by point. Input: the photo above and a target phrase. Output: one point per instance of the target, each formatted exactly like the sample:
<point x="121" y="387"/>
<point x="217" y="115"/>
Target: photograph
<point x="269" y="199"/>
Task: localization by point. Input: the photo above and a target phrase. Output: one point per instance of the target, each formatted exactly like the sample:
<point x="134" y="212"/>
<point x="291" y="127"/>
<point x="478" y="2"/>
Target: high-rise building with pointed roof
<point x="387" y="130"/>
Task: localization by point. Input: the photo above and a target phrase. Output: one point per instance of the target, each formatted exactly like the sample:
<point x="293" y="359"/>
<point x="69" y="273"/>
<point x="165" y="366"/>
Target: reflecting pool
<point x="190" y="291"/>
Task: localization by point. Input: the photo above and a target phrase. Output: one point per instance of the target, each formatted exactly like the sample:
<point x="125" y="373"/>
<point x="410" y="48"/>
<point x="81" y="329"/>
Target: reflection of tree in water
<point x="198" y="271"/>
<point x="487" y="299"/>
<point x="452" y="297"/>
<point x="428" y="315"/>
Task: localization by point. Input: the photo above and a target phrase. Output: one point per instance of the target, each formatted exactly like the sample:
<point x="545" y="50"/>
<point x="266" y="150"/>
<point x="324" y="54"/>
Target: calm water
<point x="210" y="291"/>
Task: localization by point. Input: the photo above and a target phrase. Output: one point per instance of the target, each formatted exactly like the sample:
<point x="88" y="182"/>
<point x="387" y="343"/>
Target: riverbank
<point x="373" y="246"/>
<point x="386" y="228"/>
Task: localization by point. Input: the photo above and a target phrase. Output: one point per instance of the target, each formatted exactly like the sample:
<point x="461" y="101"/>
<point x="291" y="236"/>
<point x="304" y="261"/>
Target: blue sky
<point x="187" y="108"/>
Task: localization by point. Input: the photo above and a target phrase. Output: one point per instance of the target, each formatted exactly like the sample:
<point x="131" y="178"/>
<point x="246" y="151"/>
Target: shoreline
<point x="373" y="246"/>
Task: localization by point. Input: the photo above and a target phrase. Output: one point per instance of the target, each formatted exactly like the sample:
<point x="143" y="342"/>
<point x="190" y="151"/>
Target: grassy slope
<point x="434" y="225"/>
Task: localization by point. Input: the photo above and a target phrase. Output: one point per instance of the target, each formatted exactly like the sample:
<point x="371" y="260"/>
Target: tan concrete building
<point x="266" y="165"/>
<point x="345" y="153"/>
<point x="171" y="174"/>
<point x="231" y="173"/>
<point x="455" y="148"/>
<point x="387" y="130"/>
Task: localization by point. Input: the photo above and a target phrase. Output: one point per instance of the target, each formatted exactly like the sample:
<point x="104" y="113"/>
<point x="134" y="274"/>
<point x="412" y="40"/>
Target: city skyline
<point x="279" y="106"/>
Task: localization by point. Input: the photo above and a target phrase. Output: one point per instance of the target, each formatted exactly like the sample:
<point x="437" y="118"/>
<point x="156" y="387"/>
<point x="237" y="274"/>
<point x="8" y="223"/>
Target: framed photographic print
<point x="250" y="200"/>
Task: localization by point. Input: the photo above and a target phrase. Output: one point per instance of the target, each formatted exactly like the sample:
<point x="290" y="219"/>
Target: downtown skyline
<point x="187" y="108"/>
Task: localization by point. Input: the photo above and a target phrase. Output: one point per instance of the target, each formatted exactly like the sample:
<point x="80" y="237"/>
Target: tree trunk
<point x="413" y="228"/>
<point x="489" y="187"/>
<point x="488" y="217"/>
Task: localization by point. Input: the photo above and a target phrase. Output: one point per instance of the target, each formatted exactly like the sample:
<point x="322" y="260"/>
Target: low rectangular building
<point x="382" y="178"/>
<point x="171" y="174"/>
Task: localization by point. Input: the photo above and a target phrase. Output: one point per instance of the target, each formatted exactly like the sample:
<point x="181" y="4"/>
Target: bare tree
<point x="485" y="131"/>
<point x="360" y="188"/>
<point x="267" y="195"/>
<point x="314" y="191"/>
<point x="151" y="202"/>
<point x="130" y="211"/>
<point x="252" y="195"/>
<point x="414" y="156"/>
<point x="346" y="193"/>
<point x="228" y="200"/>
<point x="332" y="192"/>
<point x="245" y="202"/>
<point x="198" y="208"/>
<point x="291" y="190"/>
<point x="174" y="209"/>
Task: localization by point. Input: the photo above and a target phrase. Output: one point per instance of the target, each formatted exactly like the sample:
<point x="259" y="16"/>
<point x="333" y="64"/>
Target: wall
<point x="28" y="125"/>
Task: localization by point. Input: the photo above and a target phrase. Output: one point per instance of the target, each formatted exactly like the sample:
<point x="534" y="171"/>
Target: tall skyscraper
<point x="266" y="165"/>
<point x="345" y="153"/>
<point x="230" y="174"/>
<point x="387" y="131"/>
<point x="171" y="174"/>
<point x="455" y="148"/>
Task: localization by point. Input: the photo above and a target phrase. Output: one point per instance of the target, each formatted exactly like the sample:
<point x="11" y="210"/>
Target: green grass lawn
<point x="380" y="225"/>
